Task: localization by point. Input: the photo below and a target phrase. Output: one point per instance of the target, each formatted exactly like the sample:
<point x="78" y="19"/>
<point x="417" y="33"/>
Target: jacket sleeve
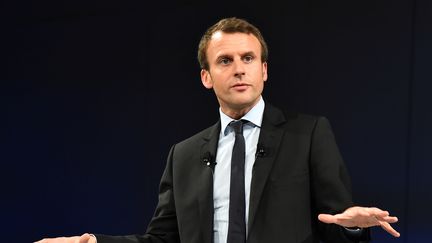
<point x="163" y="227"/>
<point x="331" y="185"/>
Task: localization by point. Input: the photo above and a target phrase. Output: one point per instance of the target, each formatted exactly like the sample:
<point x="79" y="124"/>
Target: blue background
<point x="93" y="94"/>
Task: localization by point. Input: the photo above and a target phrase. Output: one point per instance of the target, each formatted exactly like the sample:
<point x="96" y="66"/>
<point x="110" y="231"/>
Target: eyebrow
<point x="249" y="53"/>
<point x="227" y="56"/>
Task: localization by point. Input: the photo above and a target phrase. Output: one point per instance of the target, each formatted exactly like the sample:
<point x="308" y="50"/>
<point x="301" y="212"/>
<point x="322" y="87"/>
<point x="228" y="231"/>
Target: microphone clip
<point x="208" y="160"/>
<point x="261" y="151"/>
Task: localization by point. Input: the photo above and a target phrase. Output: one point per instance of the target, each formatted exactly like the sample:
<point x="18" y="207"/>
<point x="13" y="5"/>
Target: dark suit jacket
<point x="299" y="175"/>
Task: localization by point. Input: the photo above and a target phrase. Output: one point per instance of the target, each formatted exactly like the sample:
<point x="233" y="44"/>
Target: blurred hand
<point x="362" y="217"/>
<point x="85" y="238"/>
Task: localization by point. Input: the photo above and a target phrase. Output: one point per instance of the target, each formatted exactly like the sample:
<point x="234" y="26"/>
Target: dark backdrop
<point x="93" y="94"/>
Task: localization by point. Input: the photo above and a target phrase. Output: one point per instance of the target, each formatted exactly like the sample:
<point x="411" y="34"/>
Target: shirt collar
<point x="254" y="116"/>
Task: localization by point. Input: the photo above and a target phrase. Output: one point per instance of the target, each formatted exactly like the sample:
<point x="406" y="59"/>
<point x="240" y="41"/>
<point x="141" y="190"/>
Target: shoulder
<point x="200" y="137"/>
<point x="293" y="120"/>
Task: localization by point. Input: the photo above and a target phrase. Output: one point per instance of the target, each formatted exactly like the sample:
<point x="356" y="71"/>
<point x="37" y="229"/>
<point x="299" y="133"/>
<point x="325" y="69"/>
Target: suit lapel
<point x="205" y="180"/>
<point x="270" y="137"/>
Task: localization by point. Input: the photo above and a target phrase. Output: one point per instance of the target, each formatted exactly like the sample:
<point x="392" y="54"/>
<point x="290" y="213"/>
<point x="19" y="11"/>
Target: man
<point x="280" y="173"/>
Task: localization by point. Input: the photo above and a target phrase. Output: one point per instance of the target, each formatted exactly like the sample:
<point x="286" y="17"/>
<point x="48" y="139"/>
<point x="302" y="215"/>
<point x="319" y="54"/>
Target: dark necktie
<point x="237" y="203"/>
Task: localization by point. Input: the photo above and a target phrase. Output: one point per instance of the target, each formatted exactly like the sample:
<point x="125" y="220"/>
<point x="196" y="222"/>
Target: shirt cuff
<point x="357" y="233"/>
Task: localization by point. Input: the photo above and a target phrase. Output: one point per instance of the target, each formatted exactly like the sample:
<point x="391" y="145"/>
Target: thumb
<point x="327" y="218"/>
<point x="84" y="238"/>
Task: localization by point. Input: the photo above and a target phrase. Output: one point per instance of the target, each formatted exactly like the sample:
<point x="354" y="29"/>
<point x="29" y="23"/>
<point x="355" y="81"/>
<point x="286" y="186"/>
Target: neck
<point x="237" y="112"/>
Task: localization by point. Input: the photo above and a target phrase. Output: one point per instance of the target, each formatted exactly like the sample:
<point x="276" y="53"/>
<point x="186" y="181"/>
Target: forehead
<point x="232" y="43"/>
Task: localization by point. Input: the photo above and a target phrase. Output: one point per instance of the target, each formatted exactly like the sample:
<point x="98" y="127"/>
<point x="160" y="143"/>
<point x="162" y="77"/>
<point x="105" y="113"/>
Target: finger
<point x="387" y="227"/>
<point x="327" y="218"/>
<point x="92" y="239"/>
<point x="389" y="219"/>
<point x="84" y="238"/>
<point x="377" y="212"/>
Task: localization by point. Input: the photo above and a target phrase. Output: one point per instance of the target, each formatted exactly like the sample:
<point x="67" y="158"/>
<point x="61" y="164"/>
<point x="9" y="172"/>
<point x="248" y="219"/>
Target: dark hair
<point x="229" y="25"/>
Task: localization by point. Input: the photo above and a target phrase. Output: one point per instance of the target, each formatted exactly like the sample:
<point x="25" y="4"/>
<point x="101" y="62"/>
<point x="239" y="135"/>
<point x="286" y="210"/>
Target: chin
<point x="241" y="103"/>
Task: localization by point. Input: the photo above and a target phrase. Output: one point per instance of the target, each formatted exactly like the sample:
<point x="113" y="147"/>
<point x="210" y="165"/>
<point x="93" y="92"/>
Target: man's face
<point x="236" y="73"/>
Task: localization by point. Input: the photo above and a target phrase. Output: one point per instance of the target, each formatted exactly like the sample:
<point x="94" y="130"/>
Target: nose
<point x="239" y="69"/>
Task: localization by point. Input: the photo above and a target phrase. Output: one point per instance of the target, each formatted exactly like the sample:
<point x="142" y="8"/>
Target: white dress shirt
<point x="222" y="172"/>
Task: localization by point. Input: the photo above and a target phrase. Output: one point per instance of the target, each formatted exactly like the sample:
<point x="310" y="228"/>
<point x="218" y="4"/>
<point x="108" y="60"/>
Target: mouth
<point x="240" y="86"/>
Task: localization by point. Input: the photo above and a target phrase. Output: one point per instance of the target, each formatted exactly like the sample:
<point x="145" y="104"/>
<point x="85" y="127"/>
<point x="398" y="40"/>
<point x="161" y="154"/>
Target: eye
<point x="248" y="59"/>
<point x="224" y="61"/>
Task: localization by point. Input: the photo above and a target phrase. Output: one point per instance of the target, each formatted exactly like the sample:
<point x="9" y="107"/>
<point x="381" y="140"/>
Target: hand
<point x="85" y="238"/>
<point x="362" y="217"/>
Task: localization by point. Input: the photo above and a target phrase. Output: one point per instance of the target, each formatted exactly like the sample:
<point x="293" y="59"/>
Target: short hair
<point x="229" y="25"/>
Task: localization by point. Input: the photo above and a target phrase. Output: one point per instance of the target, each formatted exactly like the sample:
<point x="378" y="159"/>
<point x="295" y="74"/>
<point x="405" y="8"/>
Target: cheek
<point x="260" y="77"/>
<point x="221" y="81"/>
<point x="221" y="87"/>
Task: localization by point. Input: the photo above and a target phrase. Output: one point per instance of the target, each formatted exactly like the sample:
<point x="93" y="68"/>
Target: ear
<point x="264" y="68"/>
<point x="206" y="79"/>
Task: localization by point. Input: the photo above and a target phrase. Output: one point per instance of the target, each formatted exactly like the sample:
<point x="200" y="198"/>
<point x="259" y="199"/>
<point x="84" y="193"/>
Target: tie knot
<point x="237" y="126"/>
